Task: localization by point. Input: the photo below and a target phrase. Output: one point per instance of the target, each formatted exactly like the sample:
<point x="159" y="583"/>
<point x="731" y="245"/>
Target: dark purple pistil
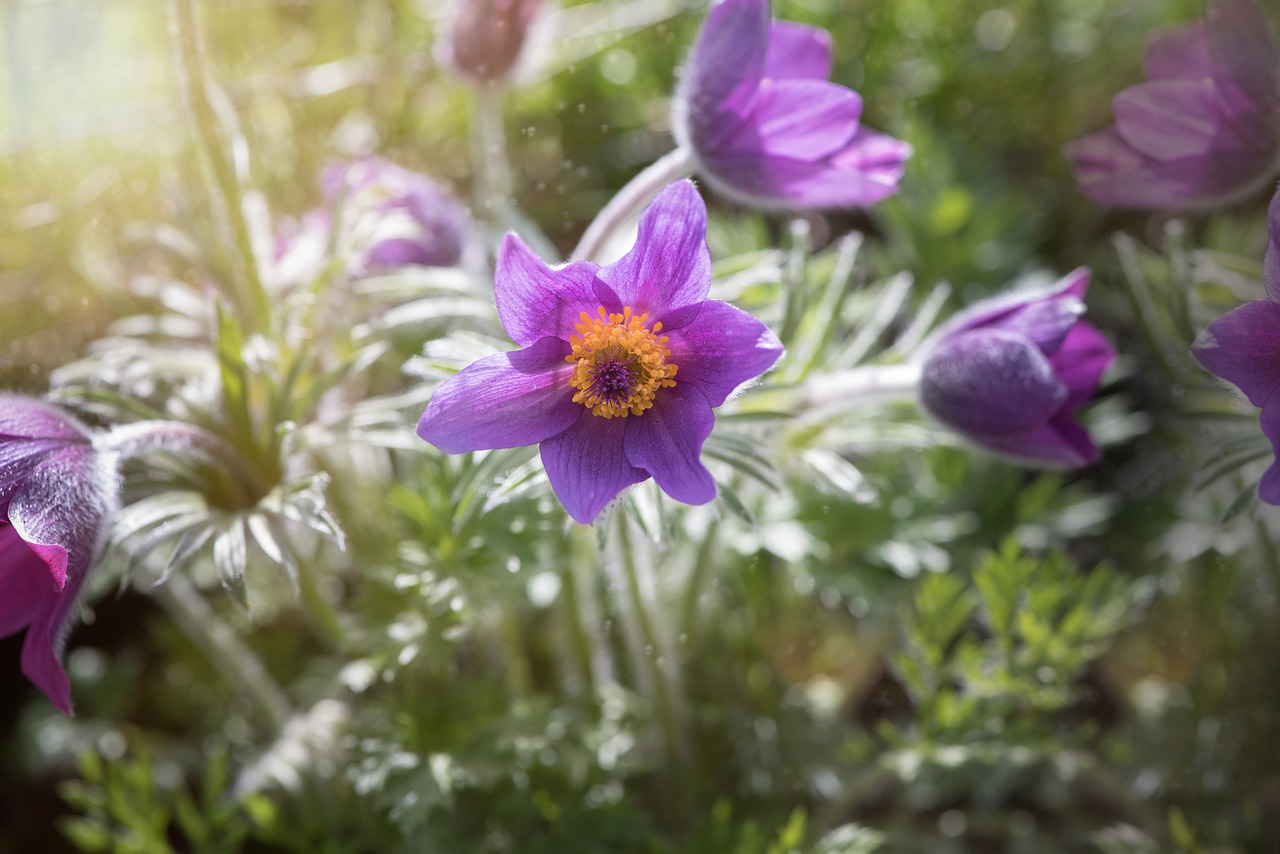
<point x="613" y="380"/>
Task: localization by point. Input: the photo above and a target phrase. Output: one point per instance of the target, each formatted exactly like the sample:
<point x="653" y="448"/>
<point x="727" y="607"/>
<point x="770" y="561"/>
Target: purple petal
<point x="1037" y="313"/>
<point x="724" y="69"/>
<point x="536" y="301"/>
<point x="1245" y="58"/>
<point x="797" y="52"/>
<point x="18" y="458"/>
<point x="867" y="171"/>
<point x="1173" y="119"/>
<point x="1061" y="442"/>
<point x="1243" y="347"/>
<point x="805" y="120"/>
<point x="721" y="349"/>
<point x="1271" y="259"/>
<point x="666" y="441"/>
<point x="1180" y="52"/>
<point x="1269" y="486"/>
<point x="60" y="507"/>
<point x="28" y="418"/>
<point x="587" y="466"/>
<point x="669" y="267"/>
<point x="990" y="383"/>
<point x="24" y="582"/>
<point x="1080" y="363"/>
<point x="507" y="400"/>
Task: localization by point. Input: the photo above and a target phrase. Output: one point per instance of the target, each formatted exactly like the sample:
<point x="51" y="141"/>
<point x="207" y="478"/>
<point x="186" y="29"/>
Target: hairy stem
<point x="863" y="384"/>
<point x="638" y="192"/>
<point x="236" y="662"/>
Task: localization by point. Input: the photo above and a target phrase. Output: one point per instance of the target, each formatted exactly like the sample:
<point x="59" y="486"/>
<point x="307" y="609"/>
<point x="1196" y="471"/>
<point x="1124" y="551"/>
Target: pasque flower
<point x="619" y="366"/>
<point x="56" y="496"/>
<point x="1009" y="373"/>
<point x="386" y="217"/>
<point x="755" y="109"/>
<point x="1203" y="130"/>
<point x="1243" y="348"/>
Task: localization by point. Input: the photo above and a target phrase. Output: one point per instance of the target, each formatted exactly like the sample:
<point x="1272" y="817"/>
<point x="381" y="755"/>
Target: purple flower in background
<point x="766" y="127"/>
<point x="1243" y="348"/>
<point x="487" y="38"/>
<point x="56" y="496"/>
<point x="395" y="217"/>
<point x="1204" y="130"/>
<point x="1009" y="374"/>
<point x="619" y="369"/>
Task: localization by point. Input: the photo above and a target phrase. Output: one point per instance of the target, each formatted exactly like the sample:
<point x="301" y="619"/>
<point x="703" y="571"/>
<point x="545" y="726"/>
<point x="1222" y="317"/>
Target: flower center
<point x="620" y="363"/>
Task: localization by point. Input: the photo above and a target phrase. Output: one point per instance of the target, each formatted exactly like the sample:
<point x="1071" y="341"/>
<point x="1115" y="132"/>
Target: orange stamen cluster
<point x="620" y="363"/>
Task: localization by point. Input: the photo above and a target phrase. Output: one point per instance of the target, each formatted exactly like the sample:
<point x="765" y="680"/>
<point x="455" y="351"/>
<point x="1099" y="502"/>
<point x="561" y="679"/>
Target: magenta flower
<point x="1204" y="130"/>
<point x="766" y="127"/>
<point x="1009" y="374"/>
<point x="1243" y="348"/>
<point x="619" y="369"/>
<point x="56" y="495"/>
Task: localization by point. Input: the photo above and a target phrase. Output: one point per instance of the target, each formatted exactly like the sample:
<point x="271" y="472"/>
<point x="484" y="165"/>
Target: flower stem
<point x="864" y="384"/>
<point x="323" y="614"/>
<point x="794" y="279"/>
<point x="638" y="192"/>
<point x="217" y="143"/>
<point x="663" y="673"/>
<point x="494" y="184"/>
<point x="235" y="661"/>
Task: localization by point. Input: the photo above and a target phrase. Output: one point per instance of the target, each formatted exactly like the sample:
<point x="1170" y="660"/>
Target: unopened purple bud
<point x="488" y="37"/>
<point x="1010" y="373"/>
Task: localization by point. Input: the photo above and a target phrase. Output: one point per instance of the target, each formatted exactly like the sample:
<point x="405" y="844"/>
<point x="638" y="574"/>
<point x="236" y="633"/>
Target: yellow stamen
<point x="621" y="363"/>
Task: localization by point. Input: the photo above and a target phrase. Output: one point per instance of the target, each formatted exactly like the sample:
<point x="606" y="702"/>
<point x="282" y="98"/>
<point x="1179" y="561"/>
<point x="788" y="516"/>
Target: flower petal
<point x="1245" y="58"/>
<point x="506" y="400"/>
<point x="724" y="70"/>
<point x="797" y="52"/>
<point x="1178" y="52"/>
<point x="24" y="578"/>
<point x="1080" y="363"/>
<point x="805" y="120"/>
<point x="587" y="465"/>
<point x="28" y="418"/>
<point x="60" y="508"/>
<point x="1243" y="347"/>
<point x="666" y="441"/>
<point x="1061" y="442"/>
<point x="1173" y="119"/>
<point x="45" y="640"/>
<point x="536" y="301"/>
<point x="987" y="382"/>
<point x="669" y="267"/>
<point x="1269" y="486"/>
<point x="865" y="172"/>
<point x="721" y="349"/>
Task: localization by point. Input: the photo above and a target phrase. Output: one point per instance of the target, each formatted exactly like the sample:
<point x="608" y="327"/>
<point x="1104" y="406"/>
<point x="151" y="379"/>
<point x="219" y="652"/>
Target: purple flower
<point x="395" y="217"/>
<point x="766" y="127"/>
<point x="1243" y="347"/>
<point x="619" y="369"/>
<point x="1009" y="374"/>
<point x="56" y="495"/>
<point x="1204" y="130"/>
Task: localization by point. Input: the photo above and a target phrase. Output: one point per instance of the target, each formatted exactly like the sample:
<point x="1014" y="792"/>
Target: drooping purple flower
<point x="1243" y="348"/>
<point x="619" y="366"/>
<point x="56" y="496"/>
<point x="1203" y="130"/>
<point x="765" y="126"/>
<point x="1009" y="374"/>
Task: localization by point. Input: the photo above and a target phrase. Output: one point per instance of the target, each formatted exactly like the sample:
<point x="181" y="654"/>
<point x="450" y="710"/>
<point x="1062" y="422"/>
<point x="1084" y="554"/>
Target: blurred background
<point x="804" y="711"/>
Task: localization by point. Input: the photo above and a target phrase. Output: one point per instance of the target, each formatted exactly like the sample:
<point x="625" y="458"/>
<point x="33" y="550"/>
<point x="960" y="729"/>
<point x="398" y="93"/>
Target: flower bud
<point x="487" y="38"/>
